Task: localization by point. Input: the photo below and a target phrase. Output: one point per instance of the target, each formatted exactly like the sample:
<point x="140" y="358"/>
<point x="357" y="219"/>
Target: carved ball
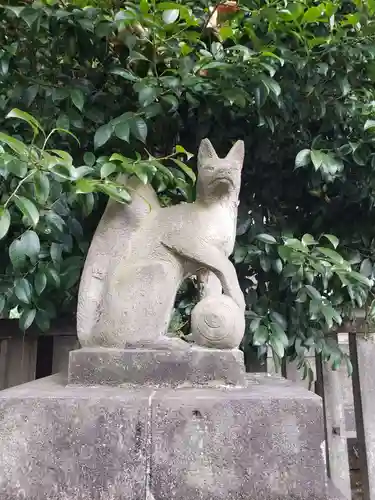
<point x="217" y="322"/>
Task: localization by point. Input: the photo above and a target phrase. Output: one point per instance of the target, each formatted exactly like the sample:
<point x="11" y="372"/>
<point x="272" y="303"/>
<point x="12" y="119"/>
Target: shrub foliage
<point x="91" y="91"/>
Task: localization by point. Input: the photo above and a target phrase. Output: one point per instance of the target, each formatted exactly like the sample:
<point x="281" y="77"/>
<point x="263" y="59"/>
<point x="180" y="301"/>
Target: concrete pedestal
<point x="210" y="441"/>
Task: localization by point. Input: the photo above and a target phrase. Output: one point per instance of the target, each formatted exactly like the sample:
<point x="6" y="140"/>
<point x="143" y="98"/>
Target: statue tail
<point x="111" y="241"/>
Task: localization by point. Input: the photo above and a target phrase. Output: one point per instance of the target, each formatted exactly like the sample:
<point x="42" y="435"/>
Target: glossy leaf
<point x="138" y="128"/>
<point x="122" y="131"/>
<point x="22" y="115"/>
<point x="4" y="222"/>
<point x="260" y="336"/>
<point x="41" y="186"/>
<point x="266" y="238"/>
<point x="28" y="209"/>
<point x="27" y="318"/>
<point x="23" y="290"/>
<point x="102" y="135"/>
<point x="40" y="282"/>
<point x="170" y="16"/>
<point x="78" y="98"/>
<point x="303" y="158"/>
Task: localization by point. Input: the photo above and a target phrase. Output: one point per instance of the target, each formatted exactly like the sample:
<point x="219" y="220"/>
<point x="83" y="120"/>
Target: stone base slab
<point x="156" y="367"/>
<point x="262" y="442"/>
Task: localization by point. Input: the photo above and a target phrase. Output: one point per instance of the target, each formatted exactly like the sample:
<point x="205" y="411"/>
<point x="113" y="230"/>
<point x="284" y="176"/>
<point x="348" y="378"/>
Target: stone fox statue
<point x="141" y="253"/>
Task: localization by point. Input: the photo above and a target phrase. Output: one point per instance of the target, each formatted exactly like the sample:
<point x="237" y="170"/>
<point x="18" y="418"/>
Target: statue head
<point x="219" y="178"/>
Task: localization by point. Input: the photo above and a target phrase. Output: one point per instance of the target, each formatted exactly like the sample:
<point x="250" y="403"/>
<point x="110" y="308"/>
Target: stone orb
<point x="217" y="321"/>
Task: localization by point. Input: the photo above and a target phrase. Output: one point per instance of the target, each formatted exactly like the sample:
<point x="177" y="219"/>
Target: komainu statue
<point x="141" y="253"/>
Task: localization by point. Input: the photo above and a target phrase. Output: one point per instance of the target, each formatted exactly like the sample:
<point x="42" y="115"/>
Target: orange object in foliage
<point x="227" y="7"/>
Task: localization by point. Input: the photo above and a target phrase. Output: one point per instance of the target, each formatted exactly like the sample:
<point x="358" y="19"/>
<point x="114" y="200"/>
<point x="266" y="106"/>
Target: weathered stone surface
<point x="263" y="442"/>
<point x="60" y="443"/>
<point x="195" y="365"/>
<point x="132" y="443"/>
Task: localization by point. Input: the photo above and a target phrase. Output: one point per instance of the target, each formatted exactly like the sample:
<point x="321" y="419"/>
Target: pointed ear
<point x="237" y="153"/>
<point x="206" y="150"/>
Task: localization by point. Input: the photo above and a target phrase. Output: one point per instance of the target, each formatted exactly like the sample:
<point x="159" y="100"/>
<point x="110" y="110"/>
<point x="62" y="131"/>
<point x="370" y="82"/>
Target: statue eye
<point x="210" y="168"/>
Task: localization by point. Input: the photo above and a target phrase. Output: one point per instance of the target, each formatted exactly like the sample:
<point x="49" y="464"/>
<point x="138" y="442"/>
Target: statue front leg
<point x="211" y="258"/>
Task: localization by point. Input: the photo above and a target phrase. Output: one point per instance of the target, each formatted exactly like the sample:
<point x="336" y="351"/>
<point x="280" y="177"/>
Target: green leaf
<point x="171" y="100"/>
<point x="41" y="186"/>
<point x="27" y="318"/>
<point x="147" y="95"/>
<point x="308" y="240"/>
<point x="313" y="14"/>
<point x="226" y="32"/>
<point x="56" y="253"/>
<point x="266" y="238"/>
<point x="332" y="239"/>
<point x="84" y="186"/>
<point x="366" y="268"/>
<point x="313" y="292"/>
<point x="55" y="221"/>
<point x="138" y="128"/>
<point x="369" y="124"/>
<point x="317" y="158"/>
<point x="17" y="254"/>
<point x="23" y="290"/>
<point x="359" y="277"/>
<point x="89" y="159"/>
<point x="124" y="73"/>
<point x="31" y="244"/>
<point x="28" y="209"/>
<point x="40" y="282"/>
<point x="260" y="336"/>
<point x="272" y="84"/>
<point x="277" y="346"/>
<point x="187" y="170"/>
<point x="63" y="171"/>
<point x="64" y="131"/>
<point x="122" y="131"/>
<point x="331" y="254"/>
<point x="118" y="194"/>
<point x="2" y="303"/>
<point x="240" y="254"/>
<point x="16" y="10"/>
<point x="261" y="93"/>
<point x="279" y="334"/>
<point x="53" y="277"/>
<point x="4" y="222"/>
<point x="78" y="98"/>
<point x="81" y="172"/>
<point x="181" y="149"/>
<point x="107" y="169"/>
<point x="265" y="263"/>
<point x="254" y="325"/>
<point x="22" y="115"/>
<point x="296" y="245"/>
<point x="43" y="321"/>
<point x="303" y="158"/>
<point x="344" y="85"/>
<point x="279" y="318"/>
<point x="277" y="266"/>
<point x="17" y="146"/>
<point x="331" y="315"/>
<point x="17" y="167"/>
<point x="102" y="135"/>
<point x="62" y="122"/>
<point x="142" y="175"/>
<point x="170" y="16"/>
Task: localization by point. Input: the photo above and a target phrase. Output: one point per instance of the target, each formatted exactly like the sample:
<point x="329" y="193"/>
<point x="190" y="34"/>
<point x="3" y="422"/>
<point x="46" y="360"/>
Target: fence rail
<point x="349" y="404"/>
